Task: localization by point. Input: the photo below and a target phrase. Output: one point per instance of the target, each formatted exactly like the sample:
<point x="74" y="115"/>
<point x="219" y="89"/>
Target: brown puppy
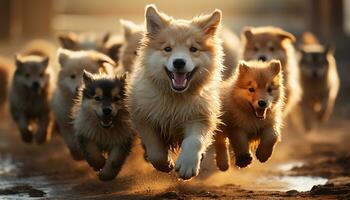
<point x="252" y="103"/>
<point x="267" y="43"/>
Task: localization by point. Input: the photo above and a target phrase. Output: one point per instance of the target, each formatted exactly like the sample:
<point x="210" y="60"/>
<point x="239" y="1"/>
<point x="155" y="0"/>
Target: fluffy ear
<point x="101" y="60"/>
<point x="45" y="61"/>
<point x="68" y="40"/>
<point x="247" y="33"/>
<point x="275" y="66"/>
<point x="286" y="35"/>
<point x="129" y="28"/>
<point x="106" y="37"/>
<point x="87" y="77"/>
<point x="329" y="49"/>
<point x="155" y="21"/>
<point x="63" y="56"/>
<point x="209" y="23"/>
<point x="243" y="67"/>
<point x="18" y="60"/>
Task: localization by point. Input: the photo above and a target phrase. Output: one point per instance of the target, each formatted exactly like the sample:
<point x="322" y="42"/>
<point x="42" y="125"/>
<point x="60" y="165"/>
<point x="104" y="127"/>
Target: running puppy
<point x="267" y="43"/>
<point x="30" y="96"/>
<point x="73" y="63"/>
<point x="102" y="123"/>
<point x="252" y="103"/>
<point x="173" y="95"/>
<point x="319" y="79"/>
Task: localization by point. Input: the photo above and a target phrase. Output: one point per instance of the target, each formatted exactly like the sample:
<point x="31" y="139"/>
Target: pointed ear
<point x="286" y="35"/>
<point x="155" y="21"/>
<point x="18" y="60"/>
<point x="101" y="60"/>
<point x="68" y="40"/>
<point x="87" y="77"/>
<point x="63" y="56"/>
<point x="243" y="67"/>
<point x="329" y="49"/>
<point x="247" y="33"/>
<point x="106" y="37"/>
<point x="209" y="23"/>
<point x="128" y="28"/>
<point x="275" y="66"/>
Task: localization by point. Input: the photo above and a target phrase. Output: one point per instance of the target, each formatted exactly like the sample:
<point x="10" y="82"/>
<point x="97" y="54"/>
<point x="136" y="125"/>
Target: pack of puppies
<point x="185" y="90"/>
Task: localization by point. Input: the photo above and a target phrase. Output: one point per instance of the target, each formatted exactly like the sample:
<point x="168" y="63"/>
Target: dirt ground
<point x="315" y="165"/>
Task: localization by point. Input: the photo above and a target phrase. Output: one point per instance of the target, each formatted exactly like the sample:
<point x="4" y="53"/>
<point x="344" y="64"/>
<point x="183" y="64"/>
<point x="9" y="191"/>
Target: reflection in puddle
<point x="7" y="164"/>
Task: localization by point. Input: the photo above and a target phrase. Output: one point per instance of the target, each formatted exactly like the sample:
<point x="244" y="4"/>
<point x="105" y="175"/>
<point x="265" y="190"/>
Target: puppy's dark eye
<point x="135" y="53"/>
<point x="27" y="75"/>
<point x="193" y="49"/>
<point x="41" y="74"/>
<point x="256" y="48"/>
<point x="97" y="98"/>
<point x="251" y="89"/>
<point x="168" y="49"/>
<point x="72" y="76"/>
<point x="271" y="48"/>
<point x="116" y="98"/>
<point x="269" y="89"/>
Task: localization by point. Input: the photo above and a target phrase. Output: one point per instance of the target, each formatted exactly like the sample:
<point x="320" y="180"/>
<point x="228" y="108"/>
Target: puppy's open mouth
<point x="106" y="121"/>
<point x="180" y="80"/>
<point x="260" y="113"/>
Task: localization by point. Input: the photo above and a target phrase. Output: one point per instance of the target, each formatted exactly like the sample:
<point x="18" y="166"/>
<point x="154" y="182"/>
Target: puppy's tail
<point x="39" y="48"/>
<point x="309" y="39"/>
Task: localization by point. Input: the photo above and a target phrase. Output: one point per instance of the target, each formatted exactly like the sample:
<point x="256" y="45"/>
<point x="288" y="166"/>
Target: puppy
<point x="102" y="123"/>
<point x="173" y="95"/>
<point x="103" y="44"/>
<point x="132" y="37"/>
<point x="252" y="103"/>
<point x="5" y="71"/>
<point x="69" y="80"/>
<point x="319" y="79"/>
<point x="30" y="96"/>
<point x="266" y="43"/>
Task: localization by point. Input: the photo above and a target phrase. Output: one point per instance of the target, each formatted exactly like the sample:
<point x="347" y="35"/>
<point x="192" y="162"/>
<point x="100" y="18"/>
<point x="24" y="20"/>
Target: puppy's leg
<point x="92" y="153"/>
<point x="222" y="153"/>
<point x="155" y="149"/>
<point x="43" y="125"/>
<point x="196" y="139"/>
<point x="307" y="114"/>
<point x="240" y="143"/>
<point x="115" y="161"/>
<point x="23" y="124"/>
<point x="72" y="143"/>
<point x="268" y="140"/>
<point x="327" y="105"/>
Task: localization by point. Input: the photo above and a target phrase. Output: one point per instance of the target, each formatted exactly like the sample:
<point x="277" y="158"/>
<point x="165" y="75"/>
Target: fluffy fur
<point x="132" y="38"/>
<point x="30" y="96"/>
<point x="320" y="80"/>
<point x="183" y="112"/>
<point x="102" y="123"/>
<point x="231" y="46"/>
<point x="84" y="41"/>
<point x="252" y="102"/>
<point x="266" y="43"/>
<point x="69" y="80"/>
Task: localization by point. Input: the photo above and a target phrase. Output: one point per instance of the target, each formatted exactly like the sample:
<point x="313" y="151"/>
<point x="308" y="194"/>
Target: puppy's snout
<point x="35" y="86"/>
<point x="179" y="63"/>
<point x="107" y="110"/>
<point x="262" y="103"/>
<point x="262" y="58"/>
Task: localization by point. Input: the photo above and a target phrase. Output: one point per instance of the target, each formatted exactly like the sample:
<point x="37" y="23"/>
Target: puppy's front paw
<point x="27" y="136"/>
<point x="263" y="154"/>
<point x="107" y="174"/>
<point x="187" y="165"/>
<point x="243" y="160"/>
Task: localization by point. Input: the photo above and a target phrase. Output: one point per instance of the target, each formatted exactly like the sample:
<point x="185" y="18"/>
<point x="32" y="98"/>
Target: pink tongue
<point x="179" y="80"/>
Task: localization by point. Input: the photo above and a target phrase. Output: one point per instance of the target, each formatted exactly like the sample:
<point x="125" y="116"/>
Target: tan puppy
<point x="252" y="103"/>
<point x="132" y="40"/>
<point x="73" y="63"/>
<point x="102" y="123"/>
<point x="266" y="43"/>
<point x="320" y="80"/>
<point x="173" y="94"/>
<point x="30" y="96"/>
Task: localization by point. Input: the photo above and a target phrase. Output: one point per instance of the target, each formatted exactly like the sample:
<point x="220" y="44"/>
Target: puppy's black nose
<point x="262" y="104"/>
<point x="179" y="63"/>
<point x="107" y="111"/>
<point x="35" y="85"/>
<point x="262" y="58"/>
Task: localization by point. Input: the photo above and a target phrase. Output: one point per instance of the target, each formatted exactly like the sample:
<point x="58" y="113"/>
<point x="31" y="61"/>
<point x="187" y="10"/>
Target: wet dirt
<point x="304" y="166"/>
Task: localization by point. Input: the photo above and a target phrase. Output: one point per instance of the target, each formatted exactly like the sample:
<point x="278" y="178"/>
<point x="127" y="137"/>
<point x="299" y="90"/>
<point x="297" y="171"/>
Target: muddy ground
<point x="315" y="165"/>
